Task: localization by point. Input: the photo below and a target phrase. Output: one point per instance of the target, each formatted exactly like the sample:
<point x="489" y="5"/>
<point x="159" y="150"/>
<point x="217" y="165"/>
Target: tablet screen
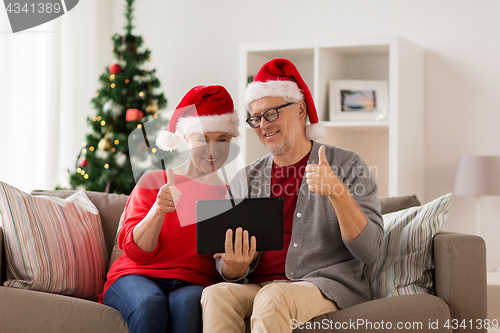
<point x="262" y="217"/>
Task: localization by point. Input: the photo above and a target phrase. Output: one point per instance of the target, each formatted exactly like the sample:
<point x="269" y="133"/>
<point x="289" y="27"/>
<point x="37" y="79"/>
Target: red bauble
<point x="84" y="163"/>
<point x="134" y="115"/>
<point x="115" y="69"/>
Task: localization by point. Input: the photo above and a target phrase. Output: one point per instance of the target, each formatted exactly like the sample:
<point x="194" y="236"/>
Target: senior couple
<point x="160" y="283"/>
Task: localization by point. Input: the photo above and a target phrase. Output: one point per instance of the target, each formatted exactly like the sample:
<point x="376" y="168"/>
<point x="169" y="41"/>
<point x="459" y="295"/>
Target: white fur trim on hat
<point x="227" y="123"/>
<point x="257" y="90"/>
<point x="167" y="140"/>
<point x="315" y="131"/>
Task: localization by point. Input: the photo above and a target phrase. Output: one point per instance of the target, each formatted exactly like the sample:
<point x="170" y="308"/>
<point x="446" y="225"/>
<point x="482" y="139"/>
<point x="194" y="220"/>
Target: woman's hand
<point x="147" y="231"/>
<point x="168" y="196"/>
<point x="237" y="258"/>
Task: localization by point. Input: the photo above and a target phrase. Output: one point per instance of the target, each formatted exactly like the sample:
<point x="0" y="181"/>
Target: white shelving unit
<point x="493" y="279"/>
<point x="393" y="147"/>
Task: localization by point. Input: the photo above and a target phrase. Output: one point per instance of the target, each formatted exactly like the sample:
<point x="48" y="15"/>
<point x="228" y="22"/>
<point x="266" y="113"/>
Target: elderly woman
<point x="157" y="282"/>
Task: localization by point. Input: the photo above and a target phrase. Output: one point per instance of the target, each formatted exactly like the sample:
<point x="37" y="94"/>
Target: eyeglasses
<point x="270" y="115"/>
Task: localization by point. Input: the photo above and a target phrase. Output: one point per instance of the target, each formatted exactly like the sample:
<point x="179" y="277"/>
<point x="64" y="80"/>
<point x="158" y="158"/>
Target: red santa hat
<point x="203" y="109"/>
<point x="280" y="78"/>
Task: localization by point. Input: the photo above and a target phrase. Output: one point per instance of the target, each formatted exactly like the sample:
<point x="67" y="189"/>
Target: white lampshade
<point x="477" y="175"/>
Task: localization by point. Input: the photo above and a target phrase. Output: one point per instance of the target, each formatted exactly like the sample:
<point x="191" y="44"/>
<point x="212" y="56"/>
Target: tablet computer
<point x="262" y="217"/>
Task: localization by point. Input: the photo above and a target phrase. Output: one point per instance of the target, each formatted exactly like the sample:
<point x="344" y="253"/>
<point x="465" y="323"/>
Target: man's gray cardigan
<point x="318" y="253"/>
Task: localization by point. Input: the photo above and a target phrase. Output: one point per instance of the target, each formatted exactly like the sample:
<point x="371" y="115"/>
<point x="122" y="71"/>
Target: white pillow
<point x="405" y="264"/>
<point x="53" y="245"/>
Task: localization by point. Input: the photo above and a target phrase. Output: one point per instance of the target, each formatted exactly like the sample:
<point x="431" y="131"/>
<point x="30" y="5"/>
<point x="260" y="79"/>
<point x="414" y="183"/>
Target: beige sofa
<point x="460" y="286"/>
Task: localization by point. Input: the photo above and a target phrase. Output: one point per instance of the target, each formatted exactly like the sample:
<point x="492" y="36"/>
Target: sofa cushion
<point x="53" y="245"/>
<point x="110" y="207"/>
<point x="405" y="264"/>
<point x="2" y="254"/>
<point x="393" y="204"/>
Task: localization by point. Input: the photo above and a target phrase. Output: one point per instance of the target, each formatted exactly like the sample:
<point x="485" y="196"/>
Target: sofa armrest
<point x="460" y="276"/>
<point x="2" y="259"/>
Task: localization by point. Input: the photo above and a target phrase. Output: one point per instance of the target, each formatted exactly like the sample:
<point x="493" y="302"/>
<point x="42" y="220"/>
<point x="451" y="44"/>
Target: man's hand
<point x="168" y="196"/>
<point x="237" y="258"/>
<point x="321" y="178"/>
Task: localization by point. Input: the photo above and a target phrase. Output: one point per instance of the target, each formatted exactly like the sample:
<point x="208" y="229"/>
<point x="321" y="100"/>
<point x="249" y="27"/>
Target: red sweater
<point x="175" y="255"/>
<point x="285" y="182"/>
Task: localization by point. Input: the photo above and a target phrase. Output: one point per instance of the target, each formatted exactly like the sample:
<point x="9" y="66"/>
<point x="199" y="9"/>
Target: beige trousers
<point x="271" y="305"/>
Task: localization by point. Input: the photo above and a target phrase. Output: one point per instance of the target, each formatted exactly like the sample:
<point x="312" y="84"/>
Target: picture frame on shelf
<point x="358" y="100"/>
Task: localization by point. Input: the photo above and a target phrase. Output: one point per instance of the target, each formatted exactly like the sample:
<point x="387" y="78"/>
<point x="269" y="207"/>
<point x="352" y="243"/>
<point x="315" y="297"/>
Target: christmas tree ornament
<point x="102" y="154"/>
<point x="134" y="115"/>
<point x="152" y="107"/>
<point x="114" y="108"/>
<point x="115" y="69"/>
<point x="84" y="163"/>
<point x="120" y="159"/>
<point x="105" y="144"/>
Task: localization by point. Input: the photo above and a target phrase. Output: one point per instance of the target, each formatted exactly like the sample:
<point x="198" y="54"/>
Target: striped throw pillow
<point x="53" y="245"/>
<point x="405" y="264"/>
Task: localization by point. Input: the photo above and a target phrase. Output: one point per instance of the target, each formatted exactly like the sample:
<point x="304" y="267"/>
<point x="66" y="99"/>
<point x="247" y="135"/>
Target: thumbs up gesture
<point x="321" y="178"/>
<point x="169" y="195"/>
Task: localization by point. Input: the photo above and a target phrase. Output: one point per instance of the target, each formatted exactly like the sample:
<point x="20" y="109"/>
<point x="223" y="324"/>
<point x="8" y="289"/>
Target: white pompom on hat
<point x="280" y="78"/>
<point x="203" y="109"/>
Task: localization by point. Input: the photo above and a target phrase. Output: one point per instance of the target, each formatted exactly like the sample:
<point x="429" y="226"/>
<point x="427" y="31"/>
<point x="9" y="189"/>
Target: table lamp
<point x="477" y="176"/>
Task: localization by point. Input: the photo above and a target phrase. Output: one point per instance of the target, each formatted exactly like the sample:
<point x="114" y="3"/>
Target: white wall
<point x="196" y="42"/>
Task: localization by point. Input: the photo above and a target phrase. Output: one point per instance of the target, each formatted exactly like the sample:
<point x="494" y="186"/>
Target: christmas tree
<point x="124" y="102"/>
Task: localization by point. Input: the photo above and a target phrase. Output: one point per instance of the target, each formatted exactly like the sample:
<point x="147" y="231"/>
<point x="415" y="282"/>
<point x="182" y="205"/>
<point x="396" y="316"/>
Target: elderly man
<point x="332" y="218"/>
